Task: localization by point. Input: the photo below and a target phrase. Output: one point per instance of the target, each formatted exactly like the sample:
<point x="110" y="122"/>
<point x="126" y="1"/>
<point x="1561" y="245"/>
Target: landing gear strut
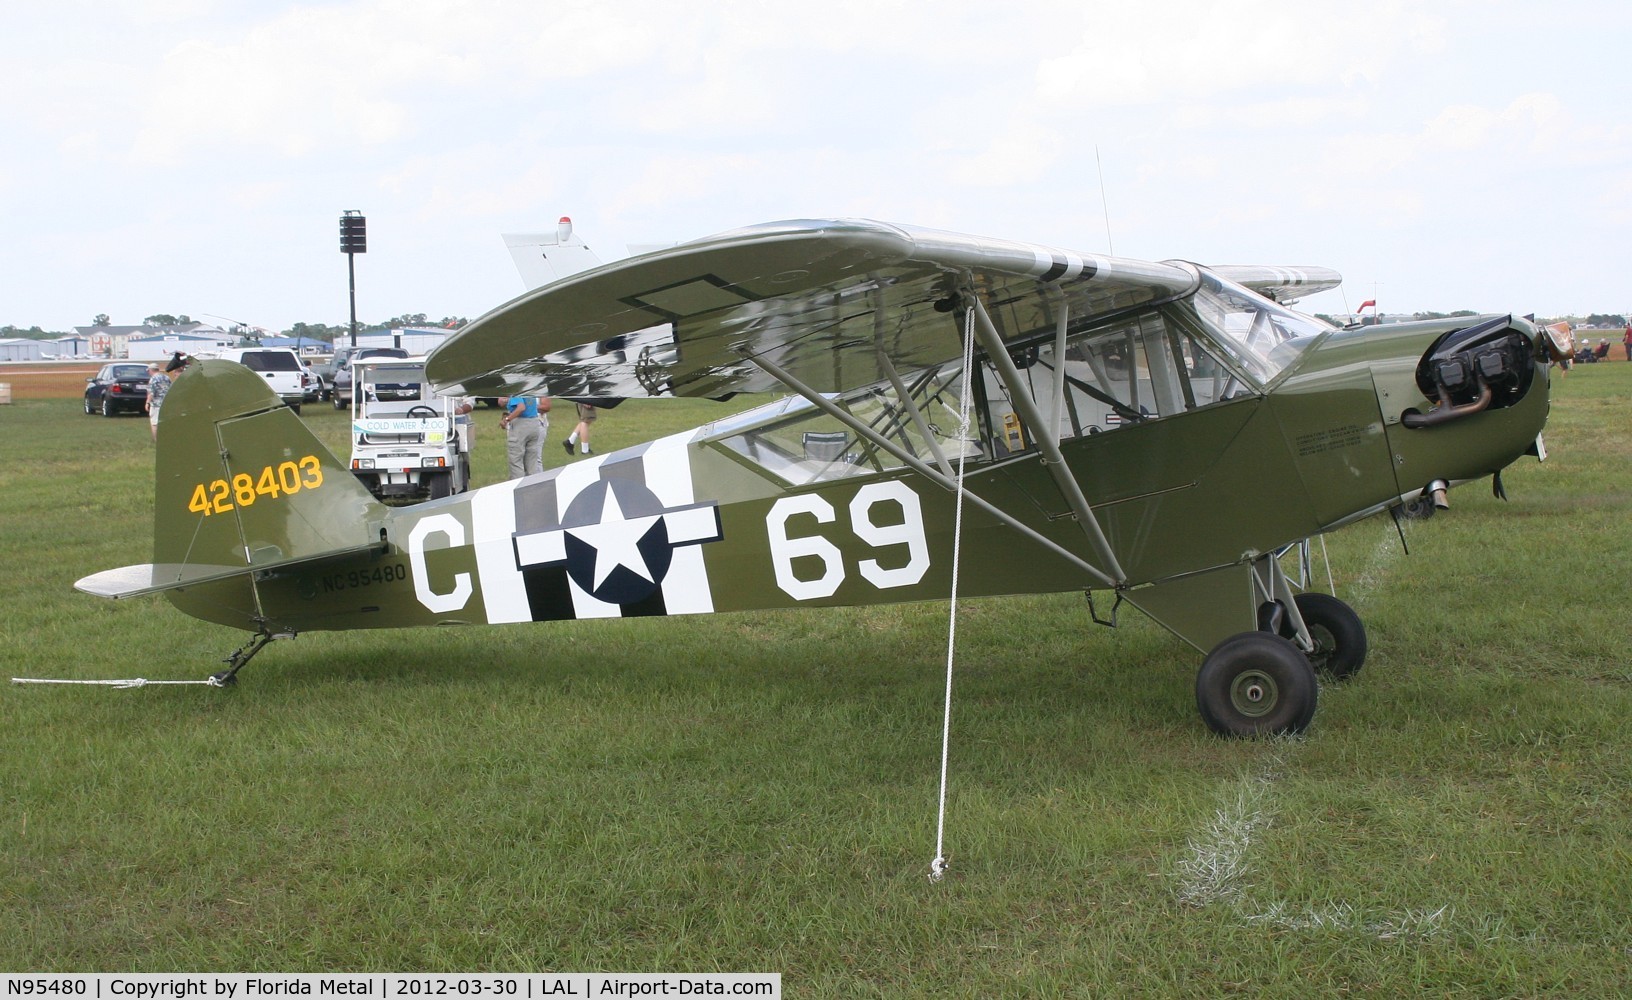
<point x="243" y="654"/>
<point x="1338" y="636"/>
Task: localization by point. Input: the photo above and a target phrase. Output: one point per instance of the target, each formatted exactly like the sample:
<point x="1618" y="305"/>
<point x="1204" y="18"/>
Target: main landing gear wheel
<point x="1256" y="684"/>
<point x="1340" y="638"/>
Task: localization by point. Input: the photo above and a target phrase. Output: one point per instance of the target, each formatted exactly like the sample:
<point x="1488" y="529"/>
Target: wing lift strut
<point x="979" y="324"/>
<point x="1109" y="572"/>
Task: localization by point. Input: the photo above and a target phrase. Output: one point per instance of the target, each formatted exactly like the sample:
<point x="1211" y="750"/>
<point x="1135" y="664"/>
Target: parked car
<point x="340" y="385"/>
<point x="280" y="366"/>
<point x="117" y="388"/>
<point x="312" y="382"/>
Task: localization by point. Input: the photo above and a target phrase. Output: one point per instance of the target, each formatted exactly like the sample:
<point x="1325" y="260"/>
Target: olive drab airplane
<point x="1162" y="432"/>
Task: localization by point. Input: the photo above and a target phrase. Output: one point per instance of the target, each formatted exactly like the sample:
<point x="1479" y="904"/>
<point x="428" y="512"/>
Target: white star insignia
<point x="616" y="541"/>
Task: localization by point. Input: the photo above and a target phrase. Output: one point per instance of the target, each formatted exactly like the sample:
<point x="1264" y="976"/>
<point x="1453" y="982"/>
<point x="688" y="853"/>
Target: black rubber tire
<point x="89" y="410"/>
<point x="1340" y="637"/>
<point x="335" y="399"/>
<point x="295" y="407"/>
<point x="441" y="484"/>
<point x="108" y="409"/>
<point x="1256" y="684"/>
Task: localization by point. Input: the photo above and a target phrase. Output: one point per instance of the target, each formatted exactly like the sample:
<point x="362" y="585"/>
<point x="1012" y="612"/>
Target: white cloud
<point x="1266" y="129"/>
<point x="1140" y="53"/>
<point x="1020" y="154"/>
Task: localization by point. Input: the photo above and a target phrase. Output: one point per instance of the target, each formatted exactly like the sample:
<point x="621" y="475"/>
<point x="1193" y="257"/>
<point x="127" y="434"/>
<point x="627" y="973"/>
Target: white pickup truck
<point x="407" y="443"/>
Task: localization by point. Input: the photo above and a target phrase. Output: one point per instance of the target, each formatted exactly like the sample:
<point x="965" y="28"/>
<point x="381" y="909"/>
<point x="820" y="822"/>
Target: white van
<point x="280" y="366"/>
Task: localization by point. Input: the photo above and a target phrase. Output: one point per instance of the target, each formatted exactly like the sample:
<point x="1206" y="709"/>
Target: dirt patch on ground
<point x="65" y="380"/>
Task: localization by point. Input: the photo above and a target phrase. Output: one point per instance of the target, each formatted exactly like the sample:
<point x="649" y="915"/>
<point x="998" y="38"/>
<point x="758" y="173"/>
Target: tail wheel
<point x="1256" y="684"/>
<point x="1340" y="638"/>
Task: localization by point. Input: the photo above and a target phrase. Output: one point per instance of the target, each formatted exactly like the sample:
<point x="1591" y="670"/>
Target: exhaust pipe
<point x="1446" y="411"/>
<point x="1436" y="492"/>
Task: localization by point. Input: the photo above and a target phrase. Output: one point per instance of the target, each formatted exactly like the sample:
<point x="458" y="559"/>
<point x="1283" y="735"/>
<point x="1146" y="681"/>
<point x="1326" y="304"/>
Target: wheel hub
<point x="1254" y="693"/>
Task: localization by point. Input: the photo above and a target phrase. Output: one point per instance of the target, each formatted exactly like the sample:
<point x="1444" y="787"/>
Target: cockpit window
<point x="1263" y="336"/>
<point x="1113" y="374"/>
<point x="809" y="445"/>
<point x="1119" y="369"/>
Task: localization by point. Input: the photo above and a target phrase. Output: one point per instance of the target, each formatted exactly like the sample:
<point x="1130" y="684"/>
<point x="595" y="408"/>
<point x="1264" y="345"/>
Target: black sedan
<point x="117" y="388"/>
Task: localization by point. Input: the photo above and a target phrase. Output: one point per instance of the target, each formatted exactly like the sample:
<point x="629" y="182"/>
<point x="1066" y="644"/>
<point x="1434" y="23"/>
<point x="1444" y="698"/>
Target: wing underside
<point x="833" y="303"/>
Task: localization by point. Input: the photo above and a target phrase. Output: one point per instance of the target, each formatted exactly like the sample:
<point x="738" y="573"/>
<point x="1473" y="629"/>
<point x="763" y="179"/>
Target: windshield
<point x="271" y="361"/>
<point x="1263" y="336"/>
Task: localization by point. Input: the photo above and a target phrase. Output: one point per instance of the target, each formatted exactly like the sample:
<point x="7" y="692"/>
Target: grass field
<point x="758" y="792"/>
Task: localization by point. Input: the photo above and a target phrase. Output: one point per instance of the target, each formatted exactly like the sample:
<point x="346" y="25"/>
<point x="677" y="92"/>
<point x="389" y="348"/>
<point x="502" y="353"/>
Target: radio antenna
<point x="1110" y="246"/>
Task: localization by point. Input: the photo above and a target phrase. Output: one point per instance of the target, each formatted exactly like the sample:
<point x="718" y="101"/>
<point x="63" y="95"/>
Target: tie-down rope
<point x="937" y="868"/>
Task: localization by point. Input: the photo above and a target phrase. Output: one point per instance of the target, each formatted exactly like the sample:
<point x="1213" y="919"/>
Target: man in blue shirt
<point x="524" y="428"/>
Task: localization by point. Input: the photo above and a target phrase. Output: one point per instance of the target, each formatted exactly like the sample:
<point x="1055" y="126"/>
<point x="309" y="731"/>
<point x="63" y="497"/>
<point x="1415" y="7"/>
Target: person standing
<point x="464" y="429"/>
<point x="158" y="385"/>
<point x="1627" y="340"/>
<point x="580" y="434"/>
<point x="524" y="428"/>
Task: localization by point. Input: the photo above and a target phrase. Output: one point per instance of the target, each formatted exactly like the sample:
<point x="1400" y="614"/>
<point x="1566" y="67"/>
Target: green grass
<point x="757" y="792"/>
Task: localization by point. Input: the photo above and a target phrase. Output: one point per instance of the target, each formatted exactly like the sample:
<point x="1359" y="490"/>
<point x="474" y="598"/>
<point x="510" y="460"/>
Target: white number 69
<point x="909" y="532"/>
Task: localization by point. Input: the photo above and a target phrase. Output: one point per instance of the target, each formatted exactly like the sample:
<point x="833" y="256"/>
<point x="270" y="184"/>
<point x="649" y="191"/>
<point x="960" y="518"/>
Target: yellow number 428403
<point x="273" y="481"/>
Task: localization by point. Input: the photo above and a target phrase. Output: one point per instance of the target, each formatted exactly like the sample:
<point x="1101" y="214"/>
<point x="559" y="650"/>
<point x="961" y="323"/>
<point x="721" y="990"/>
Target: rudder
<point x="242" y="483"/>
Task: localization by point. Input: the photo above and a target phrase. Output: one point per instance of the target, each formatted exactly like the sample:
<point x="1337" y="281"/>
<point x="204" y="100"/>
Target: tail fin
<point x="241" y="486"/>
<point x="545" y="257"/>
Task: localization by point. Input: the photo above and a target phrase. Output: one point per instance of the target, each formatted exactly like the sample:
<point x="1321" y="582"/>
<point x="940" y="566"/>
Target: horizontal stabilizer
<point x="156" y="578"/>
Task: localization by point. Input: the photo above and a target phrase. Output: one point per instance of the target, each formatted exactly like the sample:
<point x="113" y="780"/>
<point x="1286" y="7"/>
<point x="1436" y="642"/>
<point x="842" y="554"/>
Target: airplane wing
<point x="825" y="300"/>
<point x="1283" y="284"/>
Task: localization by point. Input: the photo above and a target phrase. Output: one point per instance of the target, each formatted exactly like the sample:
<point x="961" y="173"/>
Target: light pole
<point x="353" y="241"/>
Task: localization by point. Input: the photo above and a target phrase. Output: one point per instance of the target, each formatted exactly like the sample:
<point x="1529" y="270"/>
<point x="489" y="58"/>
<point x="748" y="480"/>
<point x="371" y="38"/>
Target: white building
<point x="164" y="344"/>
<point x="21" y="349"/>
<point x="111" y="341"/>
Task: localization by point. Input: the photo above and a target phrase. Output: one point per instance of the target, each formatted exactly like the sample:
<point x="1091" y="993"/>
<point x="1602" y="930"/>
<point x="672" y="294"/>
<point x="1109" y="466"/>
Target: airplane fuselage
<point x="689" y="525"/>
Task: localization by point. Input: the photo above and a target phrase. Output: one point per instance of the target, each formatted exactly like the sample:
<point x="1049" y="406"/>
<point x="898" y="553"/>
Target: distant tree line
<point x="326" y="332"/>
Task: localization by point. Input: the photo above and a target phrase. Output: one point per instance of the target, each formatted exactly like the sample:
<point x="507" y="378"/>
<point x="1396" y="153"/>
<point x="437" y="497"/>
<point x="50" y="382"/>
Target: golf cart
<point x="406" y="442"/>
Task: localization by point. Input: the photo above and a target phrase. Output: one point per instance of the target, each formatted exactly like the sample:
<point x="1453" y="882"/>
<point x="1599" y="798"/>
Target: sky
<point x="193" y="156"/>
